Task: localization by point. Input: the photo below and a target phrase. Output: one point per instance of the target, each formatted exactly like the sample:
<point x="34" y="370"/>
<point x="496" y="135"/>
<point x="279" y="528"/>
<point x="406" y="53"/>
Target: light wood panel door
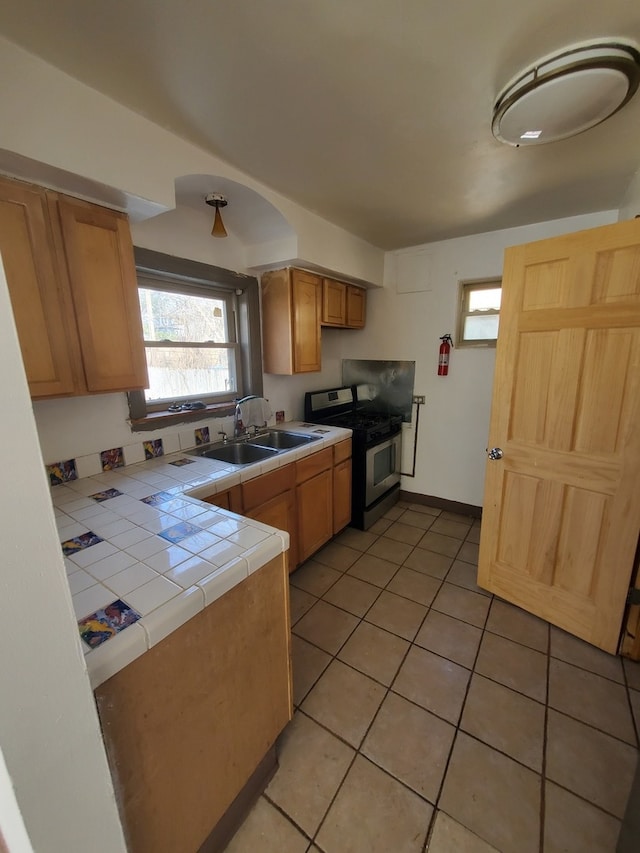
<point x="562" y="506"/>
<point x="41" y="305"/>
<point x="307" y="311"/>
<point x="102" y="276"/>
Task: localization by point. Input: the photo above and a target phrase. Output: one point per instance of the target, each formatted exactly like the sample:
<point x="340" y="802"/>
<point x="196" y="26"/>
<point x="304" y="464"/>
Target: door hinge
<point x="633" y="596"/>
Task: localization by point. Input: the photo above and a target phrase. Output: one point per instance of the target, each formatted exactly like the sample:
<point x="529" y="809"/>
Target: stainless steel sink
<point x="236" y="453"/>
<point x="281" y="439"/>
<point x="257" y="449"/>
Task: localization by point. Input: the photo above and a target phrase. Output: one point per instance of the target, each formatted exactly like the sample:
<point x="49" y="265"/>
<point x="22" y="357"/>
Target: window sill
<point x="158" y="420"/>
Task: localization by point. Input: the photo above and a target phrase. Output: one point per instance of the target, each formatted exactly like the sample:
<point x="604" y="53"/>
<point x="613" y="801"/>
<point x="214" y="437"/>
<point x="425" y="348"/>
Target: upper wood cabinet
<point x="291" y="311"/>
<point x="295" y="304"/>
<point x="343" y="305"/>
<point x="72" y="282"/>
<point x="334" y="303"/>
<point x="41" y="302"/>
<point x="356" y="307"/>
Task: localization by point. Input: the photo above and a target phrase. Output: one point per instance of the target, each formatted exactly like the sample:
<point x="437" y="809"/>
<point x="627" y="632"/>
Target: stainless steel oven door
<point x="383" y="467"/>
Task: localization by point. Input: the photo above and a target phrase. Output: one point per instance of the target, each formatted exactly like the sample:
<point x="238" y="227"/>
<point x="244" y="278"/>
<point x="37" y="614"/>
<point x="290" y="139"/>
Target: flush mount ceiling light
<point x="566" y="93"/>
<point x="216" y="200"/>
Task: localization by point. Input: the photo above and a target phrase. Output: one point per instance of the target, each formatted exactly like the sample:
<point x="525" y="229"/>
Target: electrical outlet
<point x="418" y="399"/>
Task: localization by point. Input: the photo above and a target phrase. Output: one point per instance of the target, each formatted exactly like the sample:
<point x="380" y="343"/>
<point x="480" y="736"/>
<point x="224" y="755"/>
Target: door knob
<point x="495" y="453"/>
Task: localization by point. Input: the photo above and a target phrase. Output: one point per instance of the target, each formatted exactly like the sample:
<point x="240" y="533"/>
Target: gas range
<point x="340" y="407"/>
<point x="376" y="448"/>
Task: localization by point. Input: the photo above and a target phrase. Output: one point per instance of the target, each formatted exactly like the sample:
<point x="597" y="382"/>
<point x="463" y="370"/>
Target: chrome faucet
<point x="236" y="417"/>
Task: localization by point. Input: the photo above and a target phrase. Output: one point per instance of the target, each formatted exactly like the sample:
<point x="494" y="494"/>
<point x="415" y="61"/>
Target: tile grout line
<point x="412" y="643"/>
<point x="358" y="749"/>
<point x="458" y="729"/>
<point x="487" y="677"/>
<point x="389" y="690"/>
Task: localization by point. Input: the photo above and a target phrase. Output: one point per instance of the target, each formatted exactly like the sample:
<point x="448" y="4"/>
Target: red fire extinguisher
<point x="443" y="356"/>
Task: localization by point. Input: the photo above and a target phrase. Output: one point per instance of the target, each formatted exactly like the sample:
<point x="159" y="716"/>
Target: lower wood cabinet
<point x="310" y="499"/>
<point x="341" y="495"/>
<point x="314" y="501"/>
<point x="231" y="499"/>
<point x="341" y="485"/>
<point x="189" y="723"/>
<point x="271" y="500"/>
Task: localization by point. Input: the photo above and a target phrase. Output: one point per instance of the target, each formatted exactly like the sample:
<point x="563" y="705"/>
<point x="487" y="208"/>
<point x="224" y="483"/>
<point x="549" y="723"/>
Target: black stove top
<point x="340" y="407"/>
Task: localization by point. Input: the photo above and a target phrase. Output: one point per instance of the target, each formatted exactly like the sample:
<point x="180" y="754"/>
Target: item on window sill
<point x="187" y="407"/>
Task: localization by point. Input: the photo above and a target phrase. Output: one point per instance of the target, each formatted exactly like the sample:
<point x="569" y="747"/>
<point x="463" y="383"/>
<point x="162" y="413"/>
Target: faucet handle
<point x="223" y="434"/>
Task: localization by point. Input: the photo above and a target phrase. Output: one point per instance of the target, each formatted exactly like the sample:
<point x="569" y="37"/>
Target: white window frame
<point x="465" y="288"/>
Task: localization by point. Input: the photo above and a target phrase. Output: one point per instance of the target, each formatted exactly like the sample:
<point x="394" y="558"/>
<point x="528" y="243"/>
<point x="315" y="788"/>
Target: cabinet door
<point x="315" y="513"/>
<point x="280" y="512"/>
<point x="356" y="306"/>
<point x="41" y="308"/>
<point x="277" y="322"/>
<point x="231" y="499"/>
<point x="307" y="311"/>
<point x="341" y="495"/>
<point x="102" y="275"/>
<point x="334" y="302"/>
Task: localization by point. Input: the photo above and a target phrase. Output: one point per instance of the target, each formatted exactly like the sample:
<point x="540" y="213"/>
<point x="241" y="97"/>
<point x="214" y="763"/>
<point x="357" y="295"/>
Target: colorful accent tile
<point x="180" y="462"/>
<point x="179" y="532"/>
<point x="104" y="496"/>
<point x="107" y="622"/>
<point x="111" y="459"/>
<point x="202" y="435"/>
<point x="158" y="498"/>
<point x="62" y="472"/>
<point x="153" y="449"/>
<point x="279" y="417"/>
<point x="79" y="543"/>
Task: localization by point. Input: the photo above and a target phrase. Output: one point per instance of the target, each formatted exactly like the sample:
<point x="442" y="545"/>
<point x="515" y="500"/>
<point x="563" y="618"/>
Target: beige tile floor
<point x="431" y="716"/>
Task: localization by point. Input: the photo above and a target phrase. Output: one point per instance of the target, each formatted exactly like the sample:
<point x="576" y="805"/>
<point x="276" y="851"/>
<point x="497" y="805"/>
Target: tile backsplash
<point x="117" y="457"/>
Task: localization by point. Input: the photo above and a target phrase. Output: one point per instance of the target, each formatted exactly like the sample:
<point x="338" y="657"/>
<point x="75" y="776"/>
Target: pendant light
<point x="566" y="93"/>
<point x="217" y="200"/>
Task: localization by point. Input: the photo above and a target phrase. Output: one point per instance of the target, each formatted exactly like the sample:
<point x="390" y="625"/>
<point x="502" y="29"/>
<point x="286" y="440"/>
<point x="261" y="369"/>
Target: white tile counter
<point x="167" y="582"/>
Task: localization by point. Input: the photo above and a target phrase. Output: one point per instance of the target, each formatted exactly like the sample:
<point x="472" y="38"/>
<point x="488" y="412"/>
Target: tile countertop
<point x="160" y="549"/>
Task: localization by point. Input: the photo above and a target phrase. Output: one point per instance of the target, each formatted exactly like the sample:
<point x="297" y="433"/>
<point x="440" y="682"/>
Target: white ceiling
<point x="373" y="113"/>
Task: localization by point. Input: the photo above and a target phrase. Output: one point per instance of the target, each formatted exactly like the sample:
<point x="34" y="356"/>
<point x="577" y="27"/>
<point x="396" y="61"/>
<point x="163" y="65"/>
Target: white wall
<point x="454" y="423"/>
<point x="631" y="204"/>
<point x="49" y="731"/>
<point x="61" y="122"/>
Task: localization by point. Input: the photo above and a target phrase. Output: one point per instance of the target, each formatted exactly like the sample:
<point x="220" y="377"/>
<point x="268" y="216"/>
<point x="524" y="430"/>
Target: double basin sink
<point x="245" y="451"/>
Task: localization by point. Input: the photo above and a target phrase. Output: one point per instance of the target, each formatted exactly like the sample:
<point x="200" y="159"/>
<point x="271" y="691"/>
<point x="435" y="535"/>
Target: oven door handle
<point x="394" y="448"/>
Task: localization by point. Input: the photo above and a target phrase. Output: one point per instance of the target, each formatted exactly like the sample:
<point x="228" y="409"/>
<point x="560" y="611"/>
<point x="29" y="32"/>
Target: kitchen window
<point x="201" y="335"/>
<point x="479" y="312"/>
<point x="191" y="343"/>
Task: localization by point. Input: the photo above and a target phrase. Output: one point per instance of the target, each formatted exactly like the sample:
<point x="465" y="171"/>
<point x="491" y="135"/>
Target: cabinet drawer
<point x="341" y="451"/>
<point x="261" y="489"/>
<point x="312" y="465"/>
